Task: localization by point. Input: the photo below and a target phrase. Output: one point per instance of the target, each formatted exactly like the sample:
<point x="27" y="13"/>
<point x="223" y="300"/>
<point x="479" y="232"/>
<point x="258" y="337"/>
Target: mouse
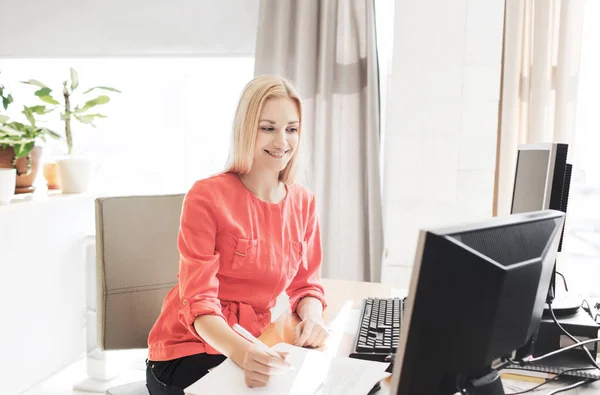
<point x="390" y="359"/>
<point x="389" y="369"/>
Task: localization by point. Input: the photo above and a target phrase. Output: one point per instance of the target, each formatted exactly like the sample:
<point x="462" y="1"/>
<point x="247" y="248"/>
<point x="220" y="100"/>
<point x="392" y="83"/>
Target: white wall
<point x="42" y="287"/>
<point x="71" y="28"/>
<point x="42" y="243"/>
<point x="442" y="121"/>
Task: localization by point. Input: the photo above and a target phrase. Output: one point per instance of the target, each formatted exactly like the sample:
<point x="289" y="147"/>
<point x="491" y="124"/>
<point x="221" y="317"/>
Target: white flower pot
<point x="8" y="180"/>
<point x="75" y="173"/>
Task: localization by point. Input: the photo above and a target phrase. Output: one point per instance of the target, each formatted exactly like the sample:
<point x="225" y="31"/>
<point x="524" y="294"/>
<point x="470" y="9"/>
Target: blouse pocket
<point x="298" y="257"/>
<point x="238" y="255"/>
<point x="244" y="254"/>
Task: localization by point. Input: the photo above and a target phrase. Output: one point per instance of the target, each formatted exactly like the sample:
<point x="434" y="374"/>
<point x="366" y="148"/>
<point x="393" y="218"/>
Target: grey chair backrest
<point x="137" y="263"/>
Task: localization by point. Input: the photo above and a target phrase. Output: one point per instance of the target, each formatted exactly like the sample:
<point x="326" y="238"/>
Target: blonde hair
<point x="245" y="125"/>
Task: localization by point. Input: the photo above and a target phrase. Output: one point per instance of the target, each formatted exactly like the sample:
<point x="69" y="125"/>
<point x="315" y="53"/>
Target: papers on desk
<point x="352" y="323"/>
<point x="511" y="386"/>
<point x="316" y="373"/>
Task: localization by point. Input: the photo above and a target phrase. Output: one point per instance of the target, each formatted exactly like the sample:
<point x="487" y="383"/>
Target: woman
<point x="246" y="235"/>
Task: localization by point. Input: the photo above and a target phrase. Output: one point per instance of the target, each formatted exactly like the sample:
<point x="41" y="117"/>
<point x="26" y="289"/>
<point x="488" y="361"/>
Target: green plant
<point x="81" y="112"/>
<point x="6" y="98"/>
<point x="22" y="137"/>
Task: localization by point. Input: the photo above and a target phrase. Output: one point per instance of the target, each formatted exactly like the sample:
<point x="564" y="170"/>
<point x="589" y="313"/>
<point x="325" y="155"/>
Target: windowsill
<point x="41" y="196"/>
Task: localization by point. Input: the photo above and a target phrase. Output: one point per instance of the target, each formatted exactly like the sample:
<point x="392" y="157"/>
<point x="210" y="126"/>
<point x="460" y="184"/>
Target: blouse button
<point x="184" y="302"/>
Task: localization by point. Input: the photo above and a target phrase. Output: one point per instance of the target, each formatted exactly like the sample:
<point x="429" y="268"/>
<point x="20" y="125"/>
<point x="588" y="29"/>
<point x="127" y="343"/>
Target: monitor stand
<point x="490" y="384"/>
<point x="564" y="304"/>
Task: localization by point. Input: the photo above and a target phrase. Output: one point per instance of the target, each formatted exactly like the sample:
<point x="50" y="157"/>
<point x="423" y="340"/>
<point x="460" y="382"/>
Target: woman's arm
<point x="216" y="332"/>
<point x="311" y="331"/>
<point x="198" y="283"/>
<point x="198" y="262"/>
<point x="259" y="367"/>
<point x="310" y="307"/>
<point x="306" y="293"/>
<point x="306" y="284"/>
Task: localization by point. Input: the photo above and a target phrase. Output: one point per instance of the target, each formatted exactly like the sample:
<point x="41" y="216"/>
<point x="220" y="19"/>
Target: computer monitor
<point x="477" y="294"/>
<point x="542" y="182"/>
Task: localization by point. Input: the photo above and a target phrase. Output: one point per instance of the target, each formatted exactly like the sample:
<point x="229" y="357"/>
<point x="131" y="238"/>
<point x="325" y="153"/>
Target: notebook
<point x="557" y="364"/>
<point x="316" y="373"/>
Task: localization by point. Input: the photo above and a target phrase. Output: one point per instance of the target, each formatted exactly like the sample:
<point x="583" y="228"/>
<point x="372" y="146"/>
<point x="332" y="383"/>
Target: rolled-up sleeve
<point x="307" y="281"/>
<point x="198" y="261"/>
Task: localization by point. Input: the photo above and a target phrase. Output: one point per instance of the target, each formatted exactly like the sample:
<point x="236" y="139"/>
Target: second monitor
<point x="542" y="182"/>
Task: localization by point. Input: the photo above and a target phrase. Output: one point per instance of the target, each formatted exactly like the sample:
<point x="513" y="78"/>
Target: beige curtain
<point x="542" y="41"/>
<point x="327" y="48"/>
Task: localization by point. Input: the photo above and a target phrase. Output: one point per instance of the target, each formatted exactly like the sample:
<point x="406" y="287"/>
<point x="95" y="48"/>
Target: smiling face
<point x="278" y="134"/>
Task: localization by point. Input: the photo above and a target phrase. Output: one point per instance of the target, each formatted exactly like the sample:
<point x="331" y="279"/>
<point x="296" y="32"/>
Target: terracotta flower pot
<point x="27" y="167"/>
<point x="51" y="175"/>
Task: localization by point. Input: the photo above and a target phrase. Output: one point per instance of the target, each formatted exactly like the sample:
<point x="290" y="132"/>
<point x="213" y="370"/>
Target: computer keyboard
<point x="379" y="328"/>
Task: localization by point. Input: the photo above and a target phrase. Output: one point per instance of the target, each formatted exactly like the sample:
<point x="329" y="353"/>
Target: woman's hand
<point x="311" y="332"/>
<point x="260" y="367"/>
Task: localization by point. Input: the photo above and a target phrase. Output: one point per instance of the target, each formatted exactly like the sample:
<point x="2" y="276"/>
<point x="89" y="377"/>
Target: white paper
<point x="316" y="373"/>
<point x="351" y="326"/>
<point x="518" y="386"/>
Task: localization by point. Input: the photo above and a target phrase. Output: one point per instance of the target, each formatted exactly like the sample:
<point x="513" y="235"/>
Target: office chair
<point x="137" y="263"/>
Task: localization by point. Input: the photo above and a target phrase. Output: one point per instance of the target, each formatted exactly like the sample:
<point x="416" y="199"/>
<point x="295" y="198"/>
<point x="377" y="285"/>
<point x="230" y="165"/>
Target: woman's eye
<point x="267" y="128"/>
<point x="292" y="130"/>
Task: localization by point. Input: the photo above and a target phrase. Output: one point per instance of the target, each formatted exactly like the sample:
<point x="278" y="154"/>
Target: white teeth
<point x="275" y="154"/>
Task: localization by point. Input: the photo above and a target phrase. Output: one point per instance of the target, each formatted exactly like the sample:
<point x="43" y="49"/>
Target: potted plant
<point x="18" y="148"/>
<point x="74" y="168"/>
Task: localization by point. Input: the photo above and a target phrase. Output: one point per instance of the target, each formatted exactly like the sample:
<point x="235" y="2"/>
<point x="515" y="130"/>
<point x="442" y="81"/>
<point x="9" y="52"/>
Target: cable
<point x="570" y="387"/>
<point x="564" y="372"/>
<point x="587" y="308"/>
<point x="564" y="281"/>
<point x="505" y="362"/>
<point x="560" y="351"/>
<point x="592" y="359"/>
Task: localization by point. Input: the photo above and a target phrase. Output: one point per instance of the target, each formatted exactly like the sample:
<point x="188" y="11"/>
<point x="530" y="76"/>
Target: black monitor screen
<point x="530" y="181"/>
<point x="477" y="294"/>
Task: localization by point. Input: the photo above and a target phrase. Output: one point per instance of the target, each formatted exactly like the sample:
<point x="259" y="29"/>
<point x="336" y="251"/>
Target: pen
<point x="239" y="329"/>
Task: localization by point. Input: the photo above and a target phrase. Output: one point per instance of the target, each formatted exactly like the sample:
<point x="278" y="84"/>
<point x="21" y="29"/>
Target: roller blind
<point x="81" y="28"/>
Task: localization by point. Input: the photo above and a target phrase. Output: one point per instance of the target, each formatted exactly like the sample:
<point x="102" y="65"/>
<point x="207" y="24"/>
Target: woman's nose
<point x="279" y="140"/>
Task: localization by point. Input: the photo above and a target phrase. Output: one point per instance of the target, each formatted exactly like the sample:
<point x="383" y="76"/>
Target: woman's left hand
<point x="311" y="332"/>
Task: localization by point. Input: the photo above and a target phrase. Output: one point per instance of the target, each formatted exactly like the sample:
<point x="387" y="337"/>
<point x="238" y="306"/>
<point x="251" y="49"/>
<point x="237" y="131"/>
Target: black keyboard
<point x="379" y="328"/>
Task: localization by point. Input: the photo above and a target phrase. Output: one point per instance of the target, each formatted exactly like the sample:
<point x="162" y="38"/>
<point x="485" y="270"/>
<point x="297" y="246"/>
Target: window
<point x="170" y="126"/>
<point x="384" y="29"/>
<point x="582" y="239"/>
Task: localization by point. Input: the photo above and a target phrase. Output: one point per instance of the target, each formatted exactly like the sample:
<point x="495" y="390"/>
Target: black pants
<point x="171" y="377"/>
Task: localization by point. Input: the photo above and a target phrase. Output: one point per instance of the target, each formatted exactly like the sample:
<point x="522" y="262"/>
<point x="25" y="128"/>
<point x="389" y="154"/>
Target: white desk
<point x="340" y="294"/>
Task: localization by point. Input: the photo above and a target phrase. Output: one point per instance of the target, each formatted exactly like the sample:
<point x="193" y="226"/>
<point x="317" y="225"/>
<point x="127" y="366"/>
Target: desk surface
<point x="338" y="294"/>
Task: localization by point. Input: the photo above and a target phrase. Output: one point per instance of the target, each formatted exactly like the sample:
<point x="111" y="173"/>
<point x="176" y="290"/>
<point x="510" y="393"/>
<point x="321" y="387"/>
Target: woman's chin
<point x="273" y="164"/>
<point x="276" y="168"/>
